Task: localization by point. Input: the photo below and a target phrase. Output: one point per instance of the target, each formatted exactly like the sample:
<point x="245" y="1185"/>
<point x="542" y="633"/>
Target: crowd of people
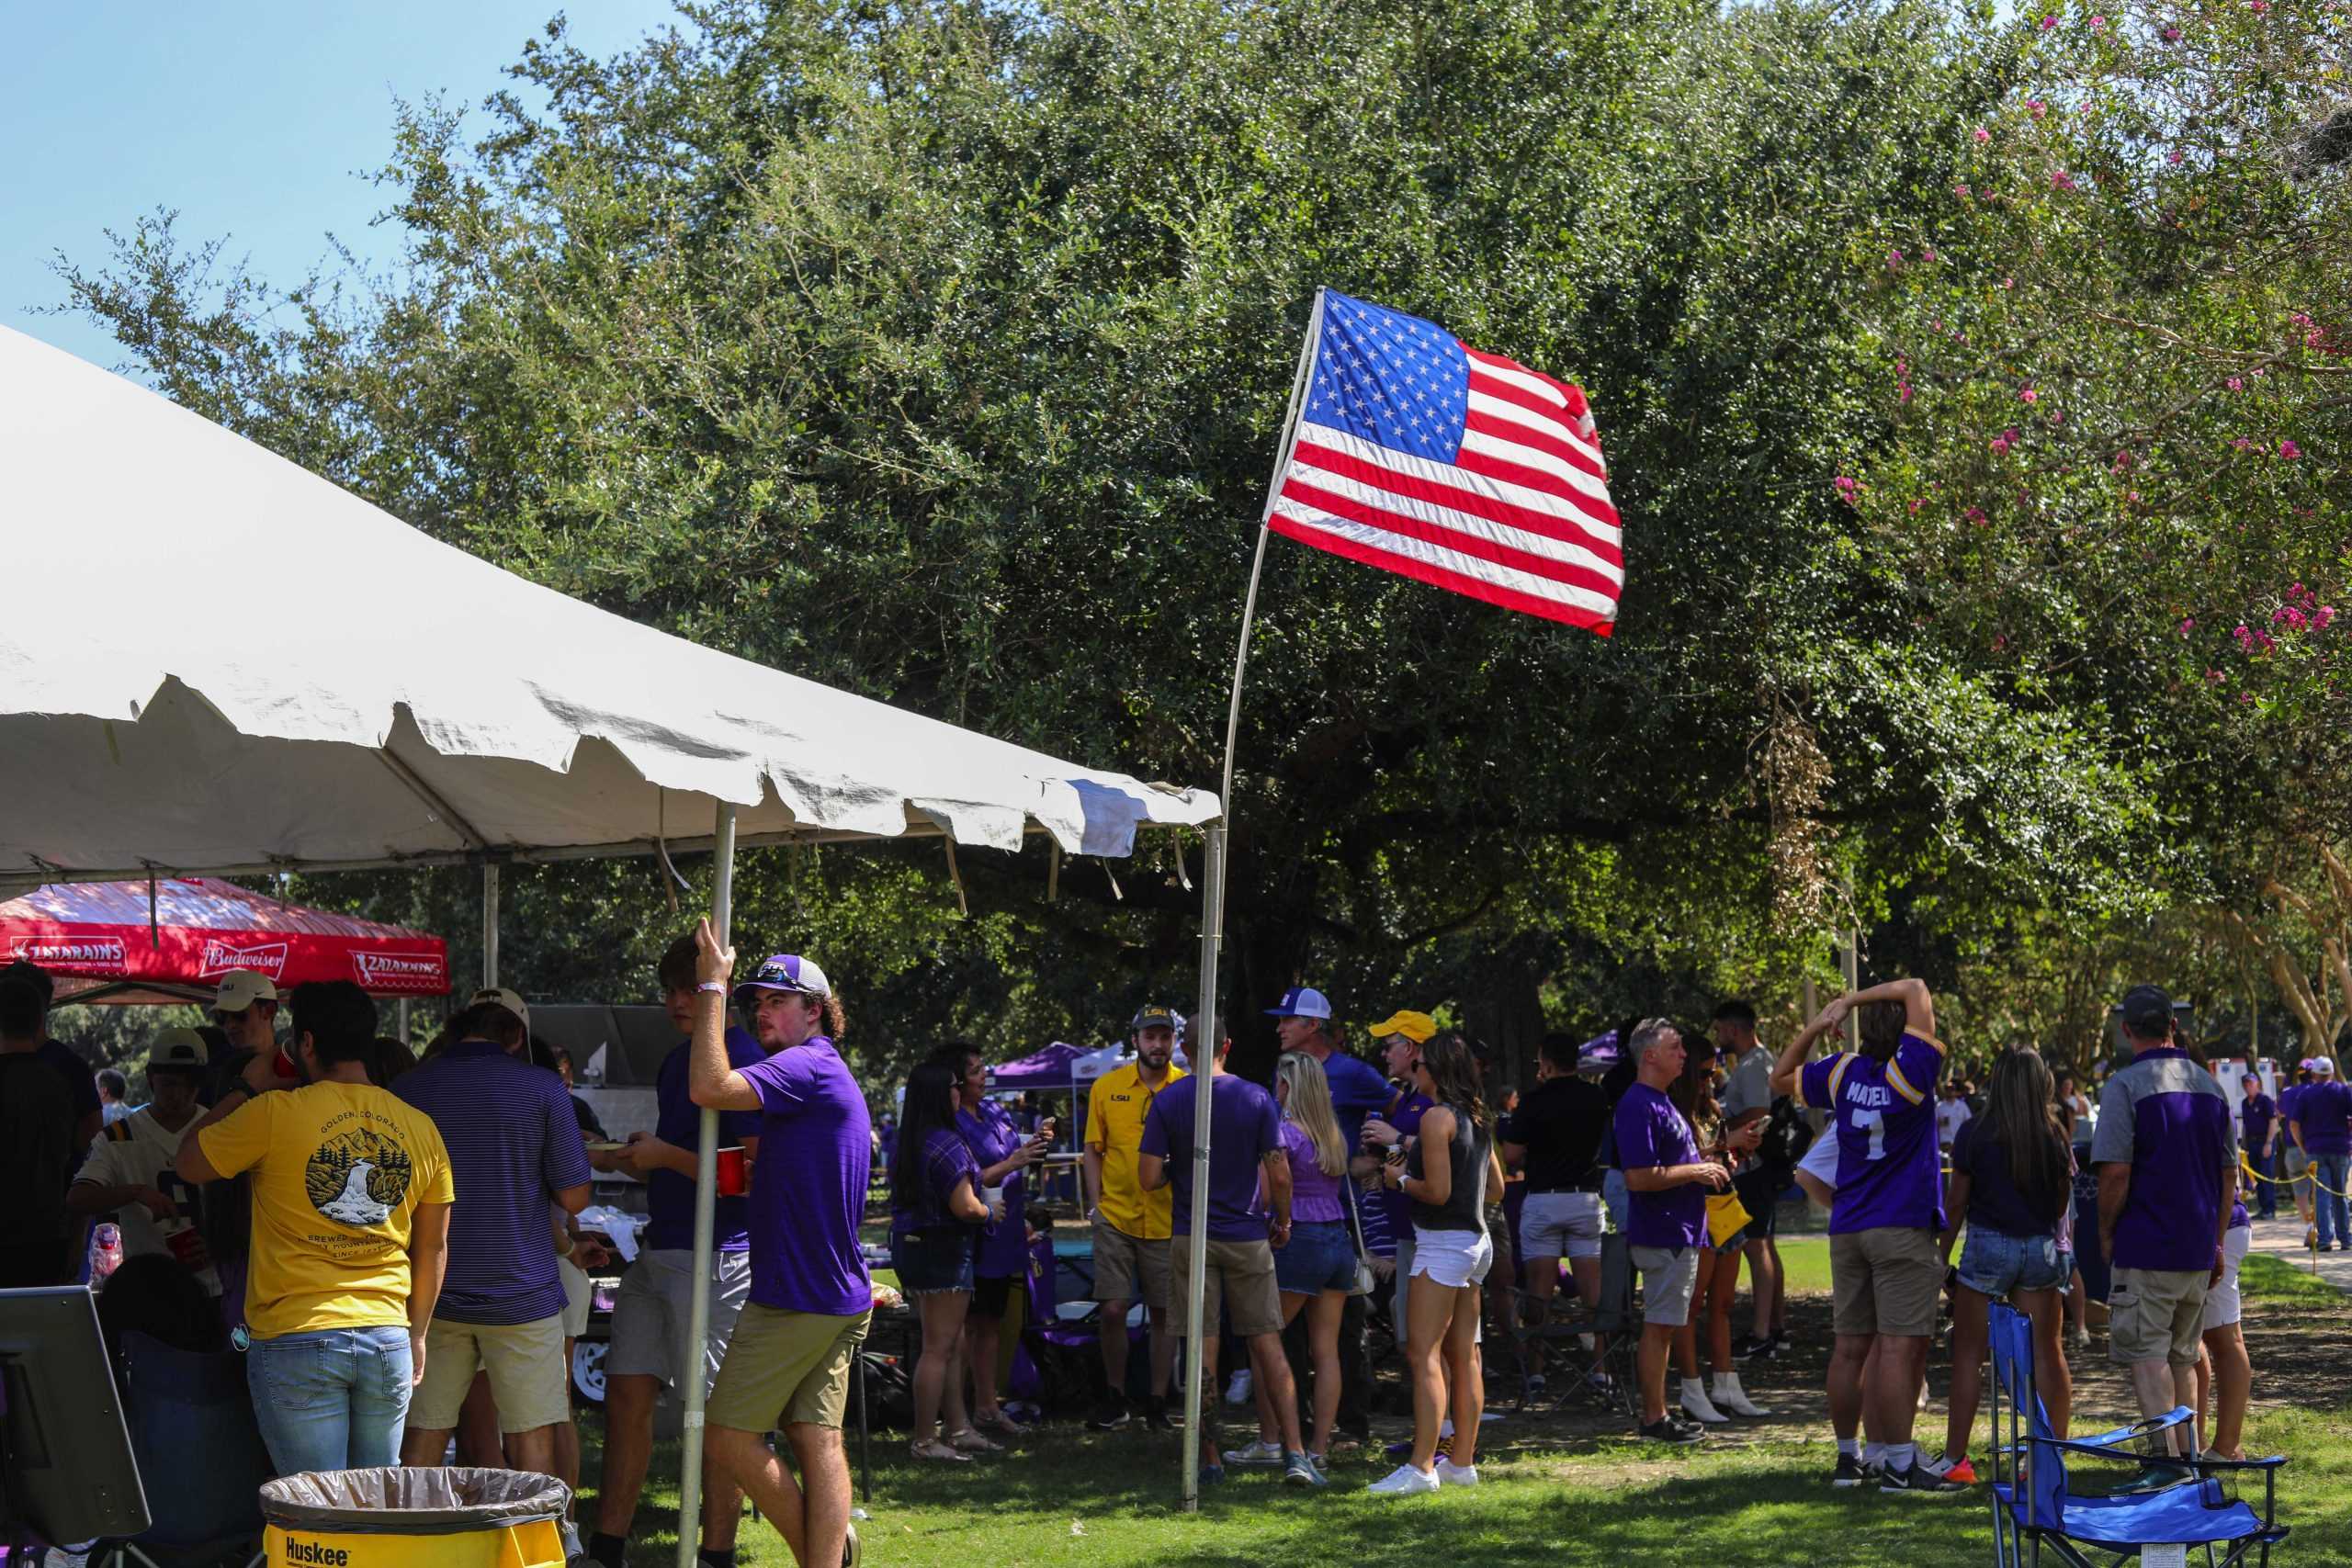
<point x="394" y="1243"/>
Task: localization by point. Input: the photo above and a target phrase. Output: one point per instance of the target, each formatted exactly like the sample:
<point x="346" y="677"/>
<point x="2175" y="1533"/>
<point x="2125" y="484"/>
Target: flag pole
<point x="690" y="1375"/>
<point x="1208" y="1034"/>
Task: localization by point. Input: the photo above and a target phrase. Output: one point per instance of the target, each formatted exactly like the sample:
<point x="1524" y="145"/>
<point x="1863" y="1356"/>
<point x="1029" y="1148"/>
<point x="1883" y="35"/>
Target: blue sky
<point x="256" y="118"/>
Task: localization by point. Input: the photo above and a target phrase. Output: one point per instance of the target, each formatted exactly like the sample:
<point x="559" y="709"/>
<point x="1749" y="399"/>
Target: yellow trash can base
<point x="400" y="1518"/>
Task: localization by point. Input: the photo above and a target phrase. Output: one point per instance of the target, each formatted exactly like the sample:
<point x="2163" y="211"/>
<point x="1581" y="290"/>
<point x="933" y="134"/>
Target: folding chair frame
<point x="2013" y="1453"/>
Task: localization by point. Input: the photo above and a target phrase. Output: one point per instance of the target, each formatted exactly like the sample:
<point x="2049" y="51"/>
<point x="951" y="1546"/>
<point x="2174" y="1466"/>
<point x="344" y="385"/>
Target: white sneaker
<point x="1258" y="1452"/>
<point x="1236" y="1390"/>
<point x="1452" y="1474"/>
<point x="1729" y="1396"/>
<point x="1404" y="1482"/>
<point x="1697" y="1406"/>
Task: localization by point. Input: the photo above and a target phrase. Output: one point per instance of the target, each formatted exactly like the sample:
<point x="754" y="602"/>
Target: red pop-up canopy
<point x="105" y="934"/>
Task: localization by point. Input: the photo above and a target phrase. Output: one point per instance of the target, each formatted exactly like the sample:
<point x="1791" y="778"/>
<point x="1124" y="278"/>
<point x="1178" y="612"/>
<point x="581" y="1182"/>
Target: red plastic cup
<point x="734" y="1172"/>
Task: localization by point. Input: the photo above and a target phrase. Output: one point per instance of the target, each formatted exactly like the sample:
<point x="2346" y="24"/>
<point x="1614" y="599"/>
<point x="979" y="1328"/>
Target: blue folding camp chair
<point x="200" y="1458"/>
<point x="2032" y="1505"/>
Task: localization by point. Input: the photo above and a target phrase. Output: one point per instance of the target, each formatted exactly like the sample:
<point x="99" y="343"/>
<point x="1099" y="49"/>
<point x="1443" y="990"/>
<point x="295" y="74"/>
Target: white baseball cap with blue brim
<point x="1302" y="1001"/>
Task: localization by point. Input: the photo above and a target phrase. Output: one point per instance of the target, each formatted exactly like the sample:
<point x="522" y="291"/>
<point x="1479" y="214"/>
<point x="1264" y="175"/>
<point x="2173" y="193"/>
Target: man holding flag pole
<point x="1409" y="450"/>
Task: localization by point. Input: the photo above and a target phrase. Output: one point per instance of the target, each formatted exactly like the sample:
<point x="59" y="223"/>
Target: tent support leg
<point x="1201" y="1045"/>
<point x="488" y="925"/>
<point x="690" y="1376"/>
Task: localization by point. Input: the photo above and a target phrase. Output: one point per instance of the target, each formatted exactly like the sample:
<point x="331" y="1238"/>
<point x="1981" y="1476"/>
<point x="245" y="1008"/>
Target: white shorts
<point x="1453" y="1258"/>
<point x="578" y="1296"/>
<point x="2223" y="1304"/>
<point x="1560" y="1225"/>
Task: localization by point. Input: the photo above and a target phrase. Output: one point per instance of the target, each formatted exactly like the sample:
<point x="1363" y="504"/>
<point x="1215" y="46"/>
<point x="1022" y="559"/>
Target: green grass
<point x="2263" y="1278"/>
<point x="1105" y="1501"/>
<point x="1806" y="1258"/>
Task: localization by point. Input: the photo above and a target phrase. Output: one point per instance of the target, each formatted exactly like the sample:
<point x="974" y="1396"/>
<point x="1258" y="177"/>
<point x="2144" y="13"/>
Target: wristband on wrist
<point x="716" y="988"/>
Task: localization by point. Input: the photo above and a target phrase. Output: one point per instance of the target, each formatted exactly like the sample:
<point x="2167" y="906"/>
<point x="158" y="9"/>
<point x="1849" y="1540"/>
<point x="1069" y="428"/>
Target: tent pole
<point x="690" y="1376"/>
<point x="1202" y="1046"/>
<point x="488" y="925"/>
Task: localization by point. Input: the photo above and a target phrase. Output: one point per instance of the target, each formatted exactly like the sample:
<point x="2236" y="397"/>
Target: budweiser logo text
<point x="268" y="958"/>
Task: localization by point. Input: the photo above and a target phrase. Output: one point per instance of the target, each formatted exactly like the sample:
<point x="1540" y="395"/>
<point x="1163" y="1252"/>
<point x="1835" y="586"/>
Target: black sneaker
<point x="1850" y="1472"/>
<point x="1750" y="1347"/>
<point x="1667" y="1430"/>
<point x="1923" y="1482"/>
<point x="1109" y="1415"/>
<point x="1156" y="1418"/>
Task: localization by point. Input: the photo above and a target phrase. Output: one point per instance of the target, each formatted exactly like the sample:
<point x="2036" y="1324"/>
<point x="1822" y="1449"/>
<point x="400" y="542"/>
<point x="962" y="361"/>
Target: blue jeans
<point x="2335" y="1219"/>
<point x="334" y="1399"/>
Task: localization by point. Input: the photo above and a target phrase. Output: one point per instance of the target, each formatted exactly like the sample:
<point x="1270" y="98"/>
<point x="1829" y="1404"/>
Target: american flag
<point x="1419" y="455"/>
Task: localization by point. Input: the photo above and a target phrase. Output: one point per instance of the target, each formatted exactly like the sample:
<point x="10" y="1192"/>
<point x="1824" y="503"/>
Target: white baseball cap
<point x="241" y="988"/>
<point x="500" y="996"/>
<point x="2324" y="1066"/>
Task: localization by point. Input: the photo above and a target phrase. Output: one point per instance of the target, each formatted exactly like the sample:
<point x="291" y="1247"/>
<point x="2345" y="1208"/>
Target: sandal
<point x="970" y="1442"/>
<point x="932" y="1448"/>
<point x="1003" y="1426"/>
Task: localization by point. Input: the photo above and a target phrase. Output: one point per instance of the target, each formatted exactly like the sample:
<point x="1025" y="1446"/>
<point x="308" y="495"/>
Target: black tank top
<point x="1464" y="1205"/>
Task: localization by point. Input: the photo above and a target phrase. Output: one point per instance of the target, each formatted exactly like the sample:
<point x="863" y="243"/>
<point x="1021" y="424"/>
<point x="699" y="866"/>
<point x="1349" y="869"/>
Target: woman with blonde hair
<point x="1315" y="1270"/>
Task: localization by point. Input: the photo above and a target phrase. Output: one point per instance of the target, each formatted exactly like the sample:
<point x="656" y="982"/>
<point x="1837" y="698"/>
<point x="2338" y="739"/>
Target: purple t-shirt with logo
<point x="668" y="1196"/>
<point x="808" y="1184"/>
<point x="2324" y="1113"/>
<point x="1889" y="1172"/>
<point x="2165" y="1117"/>
<point x="1314" y="1197"/>
<point x="1650" y="1132"/>
<point x="1244" y="1129"/>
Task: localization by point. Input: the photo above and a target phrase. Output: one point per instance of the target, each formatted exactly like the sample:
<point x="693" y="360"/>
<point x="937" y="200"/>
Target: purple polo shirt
<point x="1314" y="1197"/>
<point x="1244" y="1128"/>
<point x="1404" y="1113"/>
<point x="668" y="1196"/>
<point x="808" y="1184"/>
<point x="1650" y="1132"/>
<point x="992" y="1136"/>
<point x="2323" y="1111"/>
<point x="2165" y="1117"/>
<point x="513" y="1143"/>
<point x="1889" y="1172"/>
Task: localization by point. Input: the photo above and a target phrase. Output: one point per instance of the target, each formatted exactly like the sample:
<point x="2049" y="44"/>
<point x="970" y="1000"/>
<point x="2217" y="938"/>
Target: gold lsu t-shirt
<point x="339" y="1169"/>
<point x="1114" y="1114"/>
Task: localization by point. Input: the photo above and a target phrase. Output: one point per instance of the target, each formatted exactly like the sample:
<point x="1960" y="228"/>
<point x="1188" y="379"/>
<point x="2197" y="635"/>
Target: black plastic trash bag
<point x="398" y="1501"/>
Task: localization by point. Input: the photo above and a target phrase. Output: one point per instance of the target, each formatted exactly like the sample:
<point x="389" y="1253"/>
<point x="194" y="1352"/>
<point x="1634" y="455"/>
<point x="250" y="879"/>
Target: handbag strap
<point x="1356" y="1224"/>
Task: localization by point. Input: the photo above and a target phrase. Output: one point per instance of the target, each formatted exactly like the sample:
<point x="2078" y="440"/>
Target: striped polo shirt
<point x="513" y="1143"/>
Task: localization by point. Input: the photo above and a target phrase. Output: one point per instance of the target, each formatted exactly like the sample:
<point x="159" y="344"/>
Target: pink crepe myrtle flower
<point x="2215" y="675"/>
<point x="1975" y="515"/>
<point x="2009" y="283"/>
<point x="2098" y="24"/>
<point x="2001" y="445"/>
<point x="2288" y="449"/>
<point x="2172" y="35"/>
<point x="2037" y="106"/>
<point x="2257" y="7"/>
<point x="1894" y="261"/>
<point x="2047" y="23"/>
<point x="1983" y="134"/>
<point x="2320" y="617"/>
<point x="2028" y="395"/>
<point x="2175" y="156"/>
<point x="2061" y="180"/>
<point x="1903" y="391"/>
<point x="2248" y="696"/>
<point x="2234" y="385"/>
<point x="2187" y="626"/>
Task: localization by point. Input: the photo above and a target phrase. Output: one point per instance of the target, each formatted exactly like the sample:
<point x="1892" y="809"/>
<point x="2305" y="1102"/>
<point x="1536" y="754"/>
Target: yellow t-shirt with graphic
<point x="339" y="1169"/>
<point x="1114" y="1113"/>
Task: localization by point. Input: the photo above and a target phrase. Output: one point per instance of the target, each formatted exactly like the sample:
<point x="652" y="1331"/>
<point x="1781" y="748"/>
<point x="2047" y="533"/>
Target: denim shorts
<point x="930" y="1261"/>
<point x="1996" y="1265"/>
<point x="1320" y="1256"/>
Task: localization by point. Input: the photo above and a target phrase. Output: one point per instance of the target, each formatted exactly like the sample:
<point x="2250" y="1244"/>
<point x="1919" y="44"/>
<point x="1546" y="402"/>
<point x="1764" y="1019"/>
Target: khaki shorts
<point x="525" y="1360"/>
<point x="786" y="1369"/>
<point x="1122" y="1262"/>
<point x="1670" y="1280"/>
<point x="1240" y="1280"/>
<point x="1886" y="1281"/>
<point x="654" y="1309"/>
<point x="2156" y="1315"/>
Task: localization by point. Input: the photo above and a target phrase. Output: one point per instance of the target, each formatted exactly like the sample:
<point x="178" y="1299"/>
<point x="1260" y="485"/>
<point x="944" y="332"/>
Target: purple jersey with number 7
<point x="1889" y="1172"/>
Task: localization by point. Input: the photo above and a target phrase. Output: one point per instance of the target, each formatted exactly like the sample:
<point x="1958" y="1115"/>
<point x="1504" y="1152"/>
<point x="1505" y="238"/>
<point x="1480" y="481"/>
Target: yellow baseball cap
<point x="1417" y="1027"/>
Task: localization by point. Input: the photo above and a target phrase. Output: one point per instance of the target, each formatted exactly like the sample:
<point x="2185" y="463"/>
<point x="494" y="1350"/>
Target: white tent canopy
<point x="218" y="661"/>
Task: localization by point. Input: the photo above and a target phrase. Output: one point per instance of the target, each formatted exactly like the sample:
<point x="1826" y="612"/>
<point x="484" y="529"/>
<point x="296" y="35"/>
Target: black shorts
<point x="1760" y="1192"/>
<point x="990" y="1296"/>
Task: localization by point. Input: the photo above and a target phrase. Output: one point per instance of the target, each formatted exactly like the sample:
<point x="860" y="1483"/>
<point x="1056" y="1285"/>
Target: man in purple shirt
<point x="2322" y="1128"/>
<point x="811" y="1297"/>
<point x="513" y="1148"/>
<point x="1885" y="1272"/>
<point x="652" y="1314"/>
<point x="1665" y="1212"/>
<point x="2166" y="1151"/>
<point x="2258" y="1123"/>
<point x="1245" y="1148"/>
